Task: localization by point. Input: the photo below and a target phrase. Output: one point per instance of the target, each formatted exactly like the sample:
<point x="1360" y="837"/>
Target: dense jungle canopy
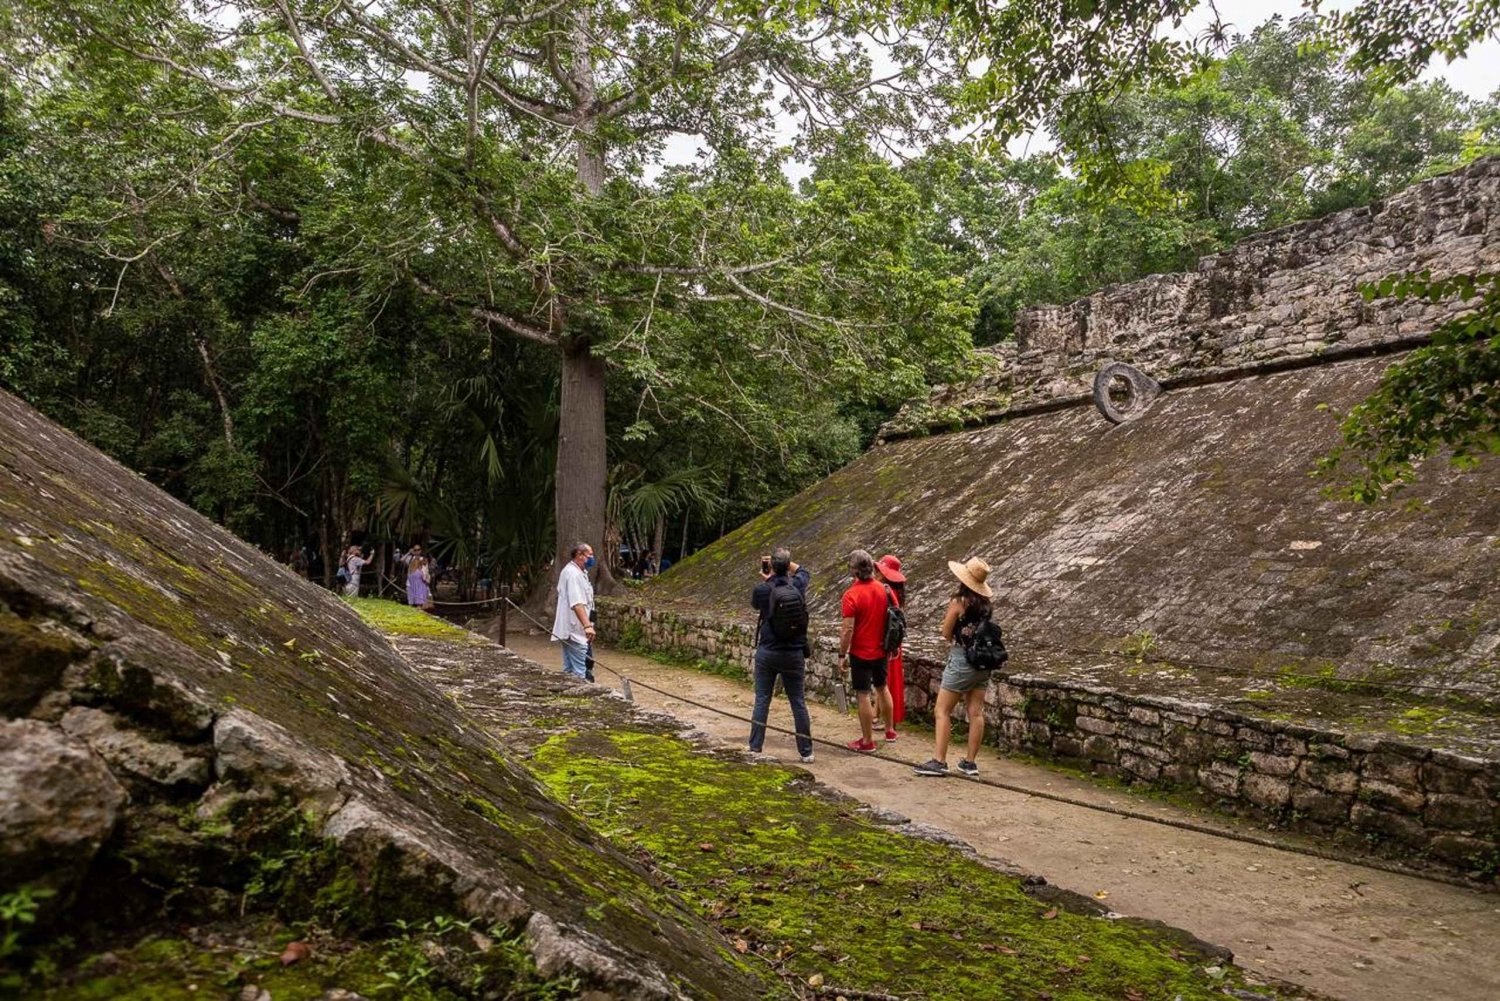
<point x="429" y="270"/>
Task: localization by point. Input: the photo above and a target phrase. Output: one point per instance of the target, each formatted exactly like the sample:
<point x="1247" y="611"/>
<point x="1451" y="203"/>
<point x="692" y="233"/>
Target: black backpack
<point x="787" y="613"/>
<point x="895" y="624"/>
<point x="984" y="646"/>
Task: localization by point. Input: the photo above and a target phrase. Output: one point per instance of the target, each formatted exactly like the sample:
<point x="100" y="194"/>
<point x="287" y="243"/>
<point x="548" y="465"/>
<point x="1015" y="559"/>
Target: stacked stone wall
<point x="1392" y="795"/>
<point x="1274" y="298"/>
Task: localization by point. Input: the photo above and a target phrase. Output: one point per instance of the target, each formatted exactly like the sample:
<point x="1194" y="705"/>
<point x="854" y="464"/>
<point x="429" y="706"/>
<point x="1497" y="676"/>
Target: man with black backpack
<point x="781" y="646"/>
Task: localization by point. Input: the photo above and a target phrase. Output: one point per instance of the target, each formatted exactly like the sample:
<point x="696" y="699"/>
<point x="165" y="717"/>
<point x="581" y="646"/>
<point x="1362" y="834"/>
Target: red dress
<point x="895" y="680"/>
<point x="897" y="684"/>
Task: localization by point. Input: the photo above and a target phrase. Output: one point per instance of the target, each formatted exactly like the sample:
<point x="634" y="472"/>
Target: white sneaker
<point x="807" y="759"/>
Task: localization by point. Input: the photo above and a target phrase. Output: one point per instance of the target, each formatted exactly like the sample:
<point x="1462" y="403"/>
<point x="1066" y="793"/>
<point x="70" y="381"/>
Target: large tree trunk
<point x="581" y="462"/>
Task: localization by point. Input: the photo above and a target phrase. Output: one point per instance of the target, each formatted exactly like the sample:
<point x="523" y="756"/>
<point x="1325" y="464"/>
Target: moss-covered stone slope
<point x="189" y="733"/>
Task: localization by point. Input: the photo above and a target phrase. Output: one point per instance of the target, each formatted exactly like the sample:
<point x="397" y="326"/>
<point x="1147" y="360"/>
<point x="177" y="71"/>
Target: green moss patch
<point x="436" y="960"/>
<point x="826" y="897"/>
<point x="394" y="618"/>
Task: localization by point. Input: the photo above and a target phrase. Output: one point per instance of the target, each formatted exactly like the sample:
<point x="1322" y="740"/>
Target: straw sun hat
<point x="973" y="573"/>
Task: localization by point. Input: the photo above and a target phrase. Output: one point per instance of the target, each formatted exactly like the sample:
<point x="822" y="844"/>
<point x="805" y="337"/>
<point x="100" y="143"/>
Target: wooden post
<point x="504" y="610"/>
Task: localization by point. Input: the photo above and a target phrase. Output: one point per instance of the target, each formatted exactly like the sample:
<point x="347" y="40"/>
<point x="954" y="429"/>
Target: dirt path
<point x="1352" y="932"/>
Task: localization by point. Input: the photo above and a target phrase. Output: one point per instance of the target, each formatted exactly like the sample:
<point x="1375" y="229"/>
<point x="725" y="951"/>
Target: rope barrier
<point x="1327" y="855"/>
<point x="444" y="604"/>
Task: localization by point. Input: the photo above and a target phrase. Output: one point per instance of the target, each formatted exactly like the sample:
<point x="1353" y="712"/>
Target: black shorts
<point x="866" y="674"/>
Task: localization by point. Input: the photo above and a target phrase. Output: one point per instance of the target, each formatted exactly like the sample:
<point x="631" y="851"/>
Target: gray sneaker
<point x="933" y="769"/>
<point x="968" y="768"/>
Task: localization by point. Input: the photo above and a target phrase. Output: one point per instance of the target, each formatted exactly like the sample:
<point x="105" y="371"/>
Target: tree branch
<point x="488" y="314"/>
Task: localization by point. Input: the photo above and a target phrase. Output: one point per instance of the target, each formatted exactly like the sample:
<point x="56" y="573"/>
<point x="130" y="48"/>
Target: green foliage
<point x="18" y="910"/>
<point x="1443" y="397"/>
<point x="1399" y="38"/>
<point x="1277" y="129"/>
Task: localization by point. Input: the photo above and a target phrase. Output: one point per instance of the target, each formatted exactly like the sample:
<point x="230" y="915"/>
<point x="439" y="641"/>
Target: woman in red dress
<point x="888" y="569"/>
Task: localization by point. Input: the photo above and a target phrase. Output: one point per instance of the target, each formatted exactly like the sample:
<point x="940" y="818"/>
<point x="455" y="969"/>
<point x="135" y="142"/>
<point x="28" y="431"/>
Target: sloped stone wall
<point x="1196" y="530"/>
<point x="175" y="706"/>
<point x="1274" y="298"/>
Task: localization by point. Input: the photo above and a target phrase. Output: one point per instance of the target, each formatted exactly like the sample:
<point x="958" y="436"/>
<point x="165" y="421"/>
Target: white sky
<point x="1477" y="75"/>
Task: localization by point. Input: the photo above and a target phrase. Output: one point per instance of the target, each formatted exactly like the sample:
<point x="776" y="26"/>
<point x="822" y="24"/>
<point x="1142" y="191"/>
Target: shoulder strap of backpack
<point x="890" y="596"/>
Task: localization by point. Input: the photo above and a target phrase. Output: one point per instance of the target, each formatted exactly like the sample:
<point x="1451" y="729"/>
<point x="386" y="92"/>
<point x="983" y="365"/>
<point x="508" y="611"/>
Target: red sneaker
<point x="860" y="746"/>
<point x="891" y="735"/>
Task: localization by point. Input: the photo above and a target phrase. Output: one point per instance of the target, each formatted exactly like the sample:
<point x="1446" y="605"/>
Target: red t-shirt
<point x="864" y="602"/>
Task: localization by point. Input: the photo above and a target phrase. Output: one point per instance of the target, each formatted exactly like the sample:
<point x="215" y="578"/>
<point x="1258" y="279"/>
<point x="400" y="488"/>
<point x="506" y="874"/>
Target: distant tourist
<point x="975" y="652"/>
<point x="418" y="579"/>
<point x="353" y="565"/>
<point x="642" y="568"/>
<point x="862" y="649"/>
<point x="299" y="562"/>
<point x="572" y="625"/>
<point x="888" y="570"/>
<point x="781" y="646"/>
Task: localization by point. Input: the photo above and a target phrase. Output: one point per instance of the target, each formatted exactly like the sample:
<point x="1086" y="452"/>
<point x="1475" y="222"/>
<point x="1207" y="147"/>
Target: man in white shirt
<point x="571" y="626"/>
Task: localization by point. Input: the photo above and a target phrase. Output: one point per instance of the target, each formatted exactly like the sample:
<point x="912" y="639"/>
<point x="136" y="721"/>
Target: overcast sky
<point x="1478" y="75"/>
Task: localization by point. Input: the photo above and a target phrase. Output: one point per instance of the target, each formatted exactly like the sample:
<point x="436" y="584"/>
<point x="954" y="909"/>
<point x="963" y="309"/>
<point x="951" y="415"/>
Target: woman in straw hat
<point x="969" y="606"/>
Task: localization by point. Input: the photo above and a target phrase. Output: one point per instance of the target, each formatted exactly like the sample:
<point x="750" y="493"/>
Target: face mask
<point x="588" y="564"/>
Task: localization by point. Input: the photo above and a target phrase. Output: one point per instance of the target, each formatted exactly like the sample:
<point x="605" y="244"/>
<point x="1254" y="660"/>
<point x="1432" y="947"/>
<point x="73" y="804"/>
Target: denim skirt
<point x="958" y="676"/>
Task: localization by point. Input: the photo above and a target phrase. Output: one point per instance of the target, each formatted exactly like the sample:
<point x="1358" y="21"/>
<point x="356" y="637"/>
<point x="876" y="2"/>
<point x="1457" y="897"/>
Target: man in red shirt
<point x="862" y="647"/>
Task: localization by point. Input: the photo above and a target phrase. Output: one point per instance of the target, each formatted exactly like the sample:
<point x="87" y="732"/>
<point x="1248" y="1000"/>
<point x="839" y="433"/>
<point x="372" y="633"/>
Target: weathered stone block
<point x="1140" y="767"/>
<point x="1067" y="746"/>
<point x="1144" y="716"/>
<point x="1220" y="778"/>
<point x="58" y="804"/>
<point x="1273" y="764"/>
<point x="34" y="660"/>
<point x="1396" y="826"/>
<point x="1089" y="724"/>
<point x="136" y="754"/>
<point x="1389" y="796"/>
<point x="1330" y="751"/>
<point x="1444" y="778"/>
<point x="1266" y="790"/>
<point x="1464" y="851"/>
<point x="1217" y="726"/>
<point x="1158" y="754"/>
<point x="1459" y="812"/>
<point x="1100" y="748"/>
<point x="1250" y="737"/>
<point x="1178" y="773"/>
<point x="1288" y="745"/>
<point x="1324" y="807"/>
<point x="1392" y="768"/>
<point x="1334" y="776"/>
<point x="1038" y="733"/>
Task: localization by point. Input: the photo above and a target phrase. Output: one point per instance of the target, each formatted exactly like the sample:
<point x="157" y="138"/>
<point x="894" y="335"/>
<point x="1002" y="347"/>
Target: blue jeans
<point x="575" y="657"/>
<point x="768" y="664"/>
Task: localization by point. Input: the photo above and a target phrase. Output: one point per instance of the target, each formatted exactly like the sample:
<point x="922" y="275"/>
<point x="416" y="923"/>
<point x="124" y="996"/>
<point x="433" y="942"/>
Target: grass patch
<point x="396" y="619"/>
<point x="817" y="892"/>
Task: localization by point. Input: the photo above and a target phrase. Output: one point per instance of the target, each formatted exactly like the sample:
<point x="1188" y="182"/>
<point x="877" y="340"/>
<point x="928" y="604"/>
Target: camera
<point x="765" y="564"/>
